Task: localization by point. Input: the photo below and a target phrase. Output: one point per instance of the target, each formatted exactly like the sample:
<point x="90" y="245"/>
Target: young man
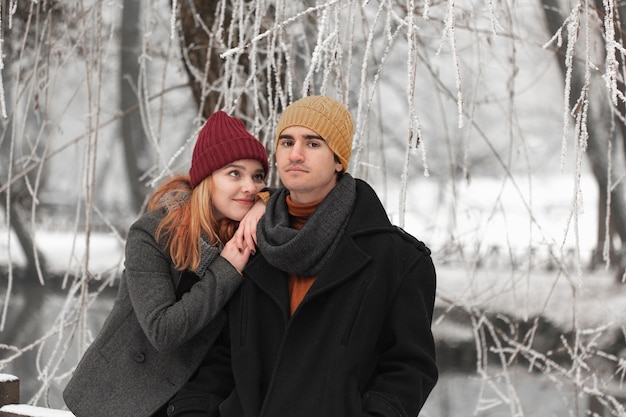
<point x="334" y="316"/>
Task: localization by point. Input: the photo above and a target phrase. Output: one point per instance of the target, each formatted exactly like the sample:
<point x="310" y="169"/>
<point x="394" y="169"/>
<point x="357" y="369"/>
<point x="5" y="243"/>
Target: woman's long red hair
<point x="189" y="213"/>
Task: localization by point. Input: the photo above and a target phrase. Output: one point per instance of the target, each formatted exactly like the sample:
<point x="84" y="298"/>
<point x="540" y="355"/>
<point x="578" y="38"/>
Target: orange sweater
<point x="299" y="285"/>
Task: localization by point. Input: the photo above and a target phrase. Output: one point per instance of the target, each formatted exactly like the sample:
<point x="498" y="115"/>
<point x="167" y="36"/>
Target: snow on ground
<point x="488" y="214"/>
<point x="487" y="217"/>
<point x="32" y="411"/>
<point x="66" y="251"/>
<point x="593" y="300"/>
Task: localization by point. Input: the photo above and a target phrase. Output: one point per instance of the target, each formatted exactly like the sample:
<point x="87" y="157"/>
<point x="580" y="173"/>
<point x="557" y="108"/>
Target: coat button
<point x="170" y="410"/>
<point x="139" y="357"/>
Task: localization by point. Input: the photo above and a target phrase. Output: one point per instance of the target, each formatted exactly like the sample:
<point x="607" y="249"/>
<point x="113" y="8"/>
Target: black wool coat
<point x="360" y="343"/>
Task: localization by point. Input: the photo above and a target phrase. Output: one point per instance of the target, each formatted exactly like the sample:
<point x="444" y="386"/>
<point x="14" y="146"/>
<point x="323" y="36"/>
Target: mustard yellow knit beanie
<point x="325" y="116"/>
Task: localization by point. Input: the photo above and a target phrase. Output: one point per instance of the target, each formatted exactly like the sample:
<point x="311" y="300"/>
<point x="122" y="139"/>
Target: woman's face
<point x="235" y="187"/>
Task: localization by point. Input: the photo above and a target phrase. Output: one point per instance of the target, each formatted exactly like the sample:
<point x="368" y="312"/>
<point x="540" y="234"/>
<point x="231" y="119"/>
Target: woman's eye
<point x="259" y="177"/>
<point x="234" y="173"/>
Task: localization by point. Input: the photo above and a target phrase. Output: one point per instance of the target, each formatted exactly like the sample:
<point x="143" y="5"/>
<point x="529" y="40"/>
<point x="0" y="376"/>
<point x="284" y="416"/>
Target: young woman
<point x="182" y="264"/>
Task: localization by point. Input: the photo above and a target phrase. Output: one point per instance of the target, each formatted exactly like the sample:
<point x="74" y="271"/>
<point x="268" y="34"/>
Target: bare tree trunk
<point x="17" y="223"/>
<point x="599" y="130"/>
<point x="25" y="237"/>
<point x="200" y="54"/>
<point x="133" y="138"/>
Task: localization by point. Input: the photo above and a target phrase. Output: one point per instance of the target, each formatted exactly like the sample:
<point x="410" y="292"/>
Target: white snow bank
<point x="32" y="411"/>
<point x="487" y="214"/>
<point x="589" y="301"/>
<point x="7" y="378"/>
<point x="65" y="251"/>
<point x="490" y="218"/>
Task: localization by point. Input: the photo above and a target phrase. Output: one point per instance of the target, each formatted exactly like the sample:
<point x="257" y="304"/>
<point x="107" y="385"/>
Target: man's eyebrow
<point x="313" y="137"/>
<point x="308" y="137"/>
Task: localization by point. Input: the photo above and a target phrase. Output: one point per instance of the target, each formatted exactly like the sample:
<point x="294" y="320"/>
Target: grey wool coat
<point x="156" y="335"/>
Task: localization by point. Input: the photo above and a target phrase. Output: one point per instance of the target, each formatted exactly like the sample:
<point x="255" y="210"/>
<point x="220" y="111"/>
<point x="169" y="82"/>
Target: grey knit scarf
<point x="304" y="252"/>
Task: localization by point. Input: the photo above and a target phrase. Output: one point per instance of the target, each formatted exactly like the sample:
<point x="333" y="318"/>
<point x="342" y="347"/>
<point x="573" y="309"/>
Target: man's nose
<point x="296" y="153"/>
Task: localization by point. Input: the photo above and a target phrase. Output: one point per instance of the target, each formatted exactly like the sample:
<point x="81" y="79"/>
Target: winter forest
<point x="494" y="131"/>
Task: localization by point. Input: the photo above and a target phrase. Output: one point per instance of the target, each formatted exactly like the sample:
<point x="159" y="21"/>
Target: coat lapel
<point x="345" y="263"/>
<point x="270" y="280"/>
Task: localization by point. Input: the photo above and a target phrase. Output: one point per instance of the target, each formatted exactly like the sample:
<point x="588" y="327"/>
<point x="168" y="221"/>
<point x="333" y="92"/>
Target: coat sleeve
<point x="167" y="322"/>
<point x="406" y="371"/>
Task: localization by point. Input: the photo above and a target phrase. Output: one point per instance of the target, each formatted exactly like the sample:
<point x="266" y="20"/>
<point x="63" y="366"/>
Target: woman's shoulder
<point x="149" y="221"/>
<point x="144" y="232"/>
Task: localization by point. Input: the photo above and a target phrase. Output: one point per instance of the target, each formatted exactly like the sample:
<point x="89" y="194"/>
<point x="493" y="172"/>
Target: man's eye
<point x="286" y="143"/>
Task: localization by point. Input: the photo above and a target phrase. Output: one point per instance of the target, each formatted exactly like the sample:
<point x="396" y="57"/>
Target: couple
<point x="330" y="318"/>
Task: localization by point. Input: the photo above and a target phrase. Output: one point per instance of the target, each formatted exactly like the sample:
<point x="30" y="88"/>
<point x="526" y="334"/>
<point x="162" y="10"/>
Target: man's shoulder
<point x="367" y="205"/>
<point x="418" y="244"/>
<point x="397" y="239"/>
<point x="363" y="186"/>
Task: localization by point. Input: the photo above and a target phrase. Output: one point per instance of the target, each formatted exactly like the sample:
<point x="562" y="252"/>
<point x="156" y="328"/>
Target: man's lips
<point x="293" y="168"/>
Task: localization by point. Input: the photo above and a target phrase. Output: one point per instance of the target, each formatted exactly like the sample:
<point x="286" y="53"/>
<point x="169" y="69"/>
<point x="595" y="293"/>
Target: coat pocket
<point x="354" y="313"/>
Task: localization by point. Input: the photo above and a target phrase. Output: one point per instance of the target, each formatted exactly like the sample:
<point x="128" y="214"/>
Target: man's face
<point x="306" y="164"/>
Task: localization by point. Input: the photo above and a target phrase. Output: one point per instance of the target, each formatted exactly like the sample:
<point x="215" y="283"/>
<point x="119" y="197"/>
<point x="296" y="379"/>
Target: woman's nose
<point x="248" y="185"/>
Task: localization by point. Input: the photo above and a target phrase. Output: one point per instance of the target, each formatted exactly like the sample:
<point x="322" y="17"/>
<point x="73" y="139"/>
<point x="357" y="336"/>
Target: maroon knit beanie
<point x="222" y="140"/>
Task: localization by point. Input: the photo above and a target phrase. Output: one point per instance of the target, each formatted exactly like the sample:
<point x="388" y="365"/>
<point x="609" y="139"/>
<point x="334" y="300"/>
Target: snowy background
<point x="501" y="193"/>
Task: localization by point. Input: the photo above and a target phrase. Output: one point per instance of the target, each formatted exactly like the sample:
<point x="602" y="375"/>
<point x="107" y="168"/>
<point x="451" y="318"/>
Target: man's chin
<point x="293" y="181"/>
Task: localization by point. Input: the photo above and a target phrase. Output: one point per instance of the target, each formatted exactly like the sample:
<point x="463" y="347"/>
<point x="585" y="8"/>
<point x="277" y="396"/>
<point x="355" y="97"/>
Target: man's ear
<point x="338" y="165"/>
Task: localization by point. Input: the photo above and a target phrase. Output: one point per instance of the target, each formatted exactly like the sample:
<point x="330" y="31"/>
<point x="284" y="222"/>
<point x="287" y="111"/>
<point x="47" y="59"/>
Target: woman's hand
<point x="238" y="257"/>
<point x="243" y="243"/>
<point x="245" y="236"/>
